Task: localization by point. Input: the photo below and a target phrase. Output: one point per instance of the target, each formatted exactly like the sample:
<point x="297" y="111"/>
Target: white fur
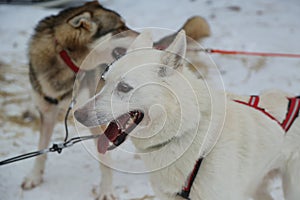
<point x="178" y="111"/>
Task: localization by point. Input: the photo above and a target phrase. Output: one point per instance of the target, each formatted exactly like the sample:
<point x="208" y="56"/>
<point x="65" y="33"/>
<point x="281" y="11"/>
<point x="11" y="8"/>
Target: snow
<point x="257" y="25"/>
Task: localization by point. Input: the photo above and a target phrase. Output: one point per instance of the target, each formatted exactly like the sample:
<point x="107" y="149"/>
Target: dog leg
<point x="262" y="192"/>
<point x="106" y="184"/>
<point x="291" y="178"/>
<point x="105" y="191"/>
<point x="47" y="124"/>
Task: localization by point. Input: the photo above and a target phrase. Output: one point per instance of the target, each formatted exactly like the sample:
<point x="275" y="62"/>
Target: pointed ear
<point x="177" y="48"/>
<point x="144" y="40"/>
<point x="82" y="20"/>
<point x="174" y="55"/>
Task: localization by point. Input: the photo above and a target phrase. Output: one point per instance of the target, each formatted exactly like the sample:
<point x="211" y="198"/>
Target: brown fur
<point x="197" y="28"/>
<point x="55" y="33"/>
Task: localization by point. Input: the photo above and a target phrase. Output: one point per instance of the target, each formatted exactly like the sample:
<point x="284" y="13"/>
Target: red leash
<point x="66" y="58"/>
<point x="228" y="52"/>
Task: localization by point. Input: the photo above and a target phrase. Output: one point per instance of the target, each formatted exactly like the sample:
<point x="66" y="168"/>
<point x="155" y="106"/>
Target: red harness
<point x="292" y="110"/>
<point x="186" y="189"/>
<point x="292" y="113"/>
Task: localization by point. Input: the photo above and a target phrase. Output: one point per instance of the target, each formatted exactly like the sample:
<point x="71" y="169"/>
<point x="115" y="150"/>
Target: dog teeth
<point x="131" y="121"/>
<point x="126" y="125"/>
<point x="133" y="117"/>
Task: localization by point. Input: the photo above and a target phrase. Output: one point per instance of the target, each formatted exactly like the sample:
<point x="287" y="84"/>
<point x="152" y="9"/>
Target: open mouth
<point x="118" y="129"/>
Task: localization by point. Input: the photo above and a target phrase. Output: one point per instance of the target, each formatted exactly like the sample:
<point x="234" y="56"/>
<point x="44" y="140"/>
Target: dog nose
<point x="81" y="116"/>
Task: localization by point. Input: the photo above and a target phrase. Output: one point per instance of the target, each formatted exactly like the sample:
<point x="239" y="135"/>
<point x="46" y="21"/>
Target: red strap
<point x="293" y="111"/>
<point x="192" y="176"/>
<point x="254" y="53"/>
<point x="253" y="102"/>
<point x="186" y="189"/>
<point x="66" y="58"/>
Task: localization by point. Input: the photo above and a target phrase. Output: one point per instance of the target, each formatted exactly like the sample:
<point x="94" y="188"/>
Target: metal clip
<point x="57" y="147"/>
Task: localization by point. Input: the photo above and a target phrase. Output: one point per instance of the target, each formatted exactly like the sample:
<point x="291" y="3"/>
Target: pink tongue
<point x="110" y="134"/>
<point x="103" y="144"/>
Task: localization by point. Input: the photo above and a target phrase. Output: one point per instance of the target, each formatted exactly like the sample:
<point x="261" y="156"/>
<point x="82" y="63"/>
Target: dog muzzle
<point x="118" y="130"/>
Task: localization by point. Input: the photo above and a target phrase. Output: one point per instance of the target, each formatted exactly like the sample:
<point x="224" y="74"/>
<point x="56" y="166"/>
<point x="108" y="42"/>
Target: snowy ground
<point x="257" y="25"/>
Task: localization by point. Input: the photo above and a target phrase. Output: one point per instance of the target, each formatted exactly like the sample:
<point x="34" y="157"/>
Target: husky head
<point x="80" y="29"/>
<point x="144" y="91"/>
<point x="84" y="24"/>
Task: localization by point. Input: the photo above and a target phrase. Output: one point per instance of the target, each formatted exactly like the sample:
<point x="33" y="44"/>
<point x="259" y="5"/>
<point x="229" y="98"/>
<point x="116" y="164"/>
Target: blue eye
<point x="124" y="87"/>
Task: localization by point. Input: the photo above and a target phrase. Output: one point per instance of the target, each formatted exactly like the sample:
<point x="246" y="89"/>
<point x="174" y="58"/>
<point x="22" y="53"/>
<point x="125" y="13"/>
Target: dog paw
<point x="31" y="182"/>
<point x="101" y="193"/>
<point x="106" y="196"/>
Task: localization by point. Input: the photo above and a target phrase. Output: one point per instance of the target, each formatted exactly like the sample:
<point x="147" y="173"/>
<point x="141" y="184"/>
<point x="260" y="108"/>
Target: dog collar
<point x="68" y="61"/>
<point x="55" y="101"/>
<point x="38" y="88"/>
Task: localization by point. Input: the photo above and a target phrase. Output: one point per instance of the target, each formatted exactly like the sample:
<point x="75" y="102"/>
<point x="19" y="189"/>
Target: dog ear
<point x="176" y="51"/>
<point x="82" y="20"/>
<point x="174" y="55"/>
<point x="144" y="40"/>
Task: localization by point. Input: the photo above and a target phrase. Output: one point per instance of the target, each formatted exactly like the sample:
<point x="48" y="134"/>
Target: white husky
<point x="169" y="111"/>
